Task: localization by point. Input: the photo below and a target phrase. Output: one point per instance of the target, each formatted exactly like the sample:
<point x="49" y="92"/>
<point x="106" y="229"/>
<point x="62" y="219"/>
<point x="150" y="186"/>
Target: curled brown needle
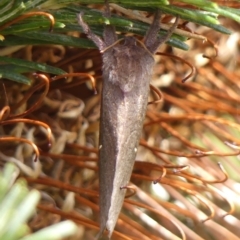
<point x="45" y="82"/>
<point x="16" y="139"/>
<point x="189" y="176"/>
<point x="158" y="213"/>
<point x="193" y="69"/>
<point x="91" y="78"/>
<point x="215" y="48"/>
<point x="158" y="93"/>
<point x="30" y="121"/>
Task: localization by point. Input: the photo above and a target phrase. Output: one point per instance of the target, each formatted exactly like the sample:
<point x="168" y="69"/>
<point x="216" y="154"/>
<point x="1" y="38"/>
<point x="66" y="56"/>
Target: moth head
<point x="130" y="41"/>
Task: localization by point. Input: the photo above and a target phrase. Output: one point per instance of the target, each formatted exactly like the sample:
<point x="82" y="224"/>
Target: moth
<point x="127" y="70"/>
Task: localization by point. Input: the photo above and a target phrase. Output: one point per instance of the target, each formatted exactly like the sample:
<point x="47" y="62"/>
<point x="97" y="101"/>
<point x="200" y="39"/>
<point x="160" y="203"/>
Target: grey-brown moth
<point x="127" y="70"/>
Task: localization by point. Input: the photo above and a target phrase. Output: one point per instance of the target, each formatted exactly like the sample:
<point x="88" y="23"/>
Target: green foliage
<point x="34" y="30"/>
<point x="17" y="206"/>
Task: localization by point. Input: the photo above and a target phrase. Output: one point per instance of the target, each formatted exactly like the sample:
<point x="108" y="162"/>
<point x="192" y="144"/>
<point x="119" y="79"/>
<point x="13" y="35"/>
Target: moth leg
<point x="109" y="34"/>
<point x="96" y="39"/>
<point x="152" y="41"/>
